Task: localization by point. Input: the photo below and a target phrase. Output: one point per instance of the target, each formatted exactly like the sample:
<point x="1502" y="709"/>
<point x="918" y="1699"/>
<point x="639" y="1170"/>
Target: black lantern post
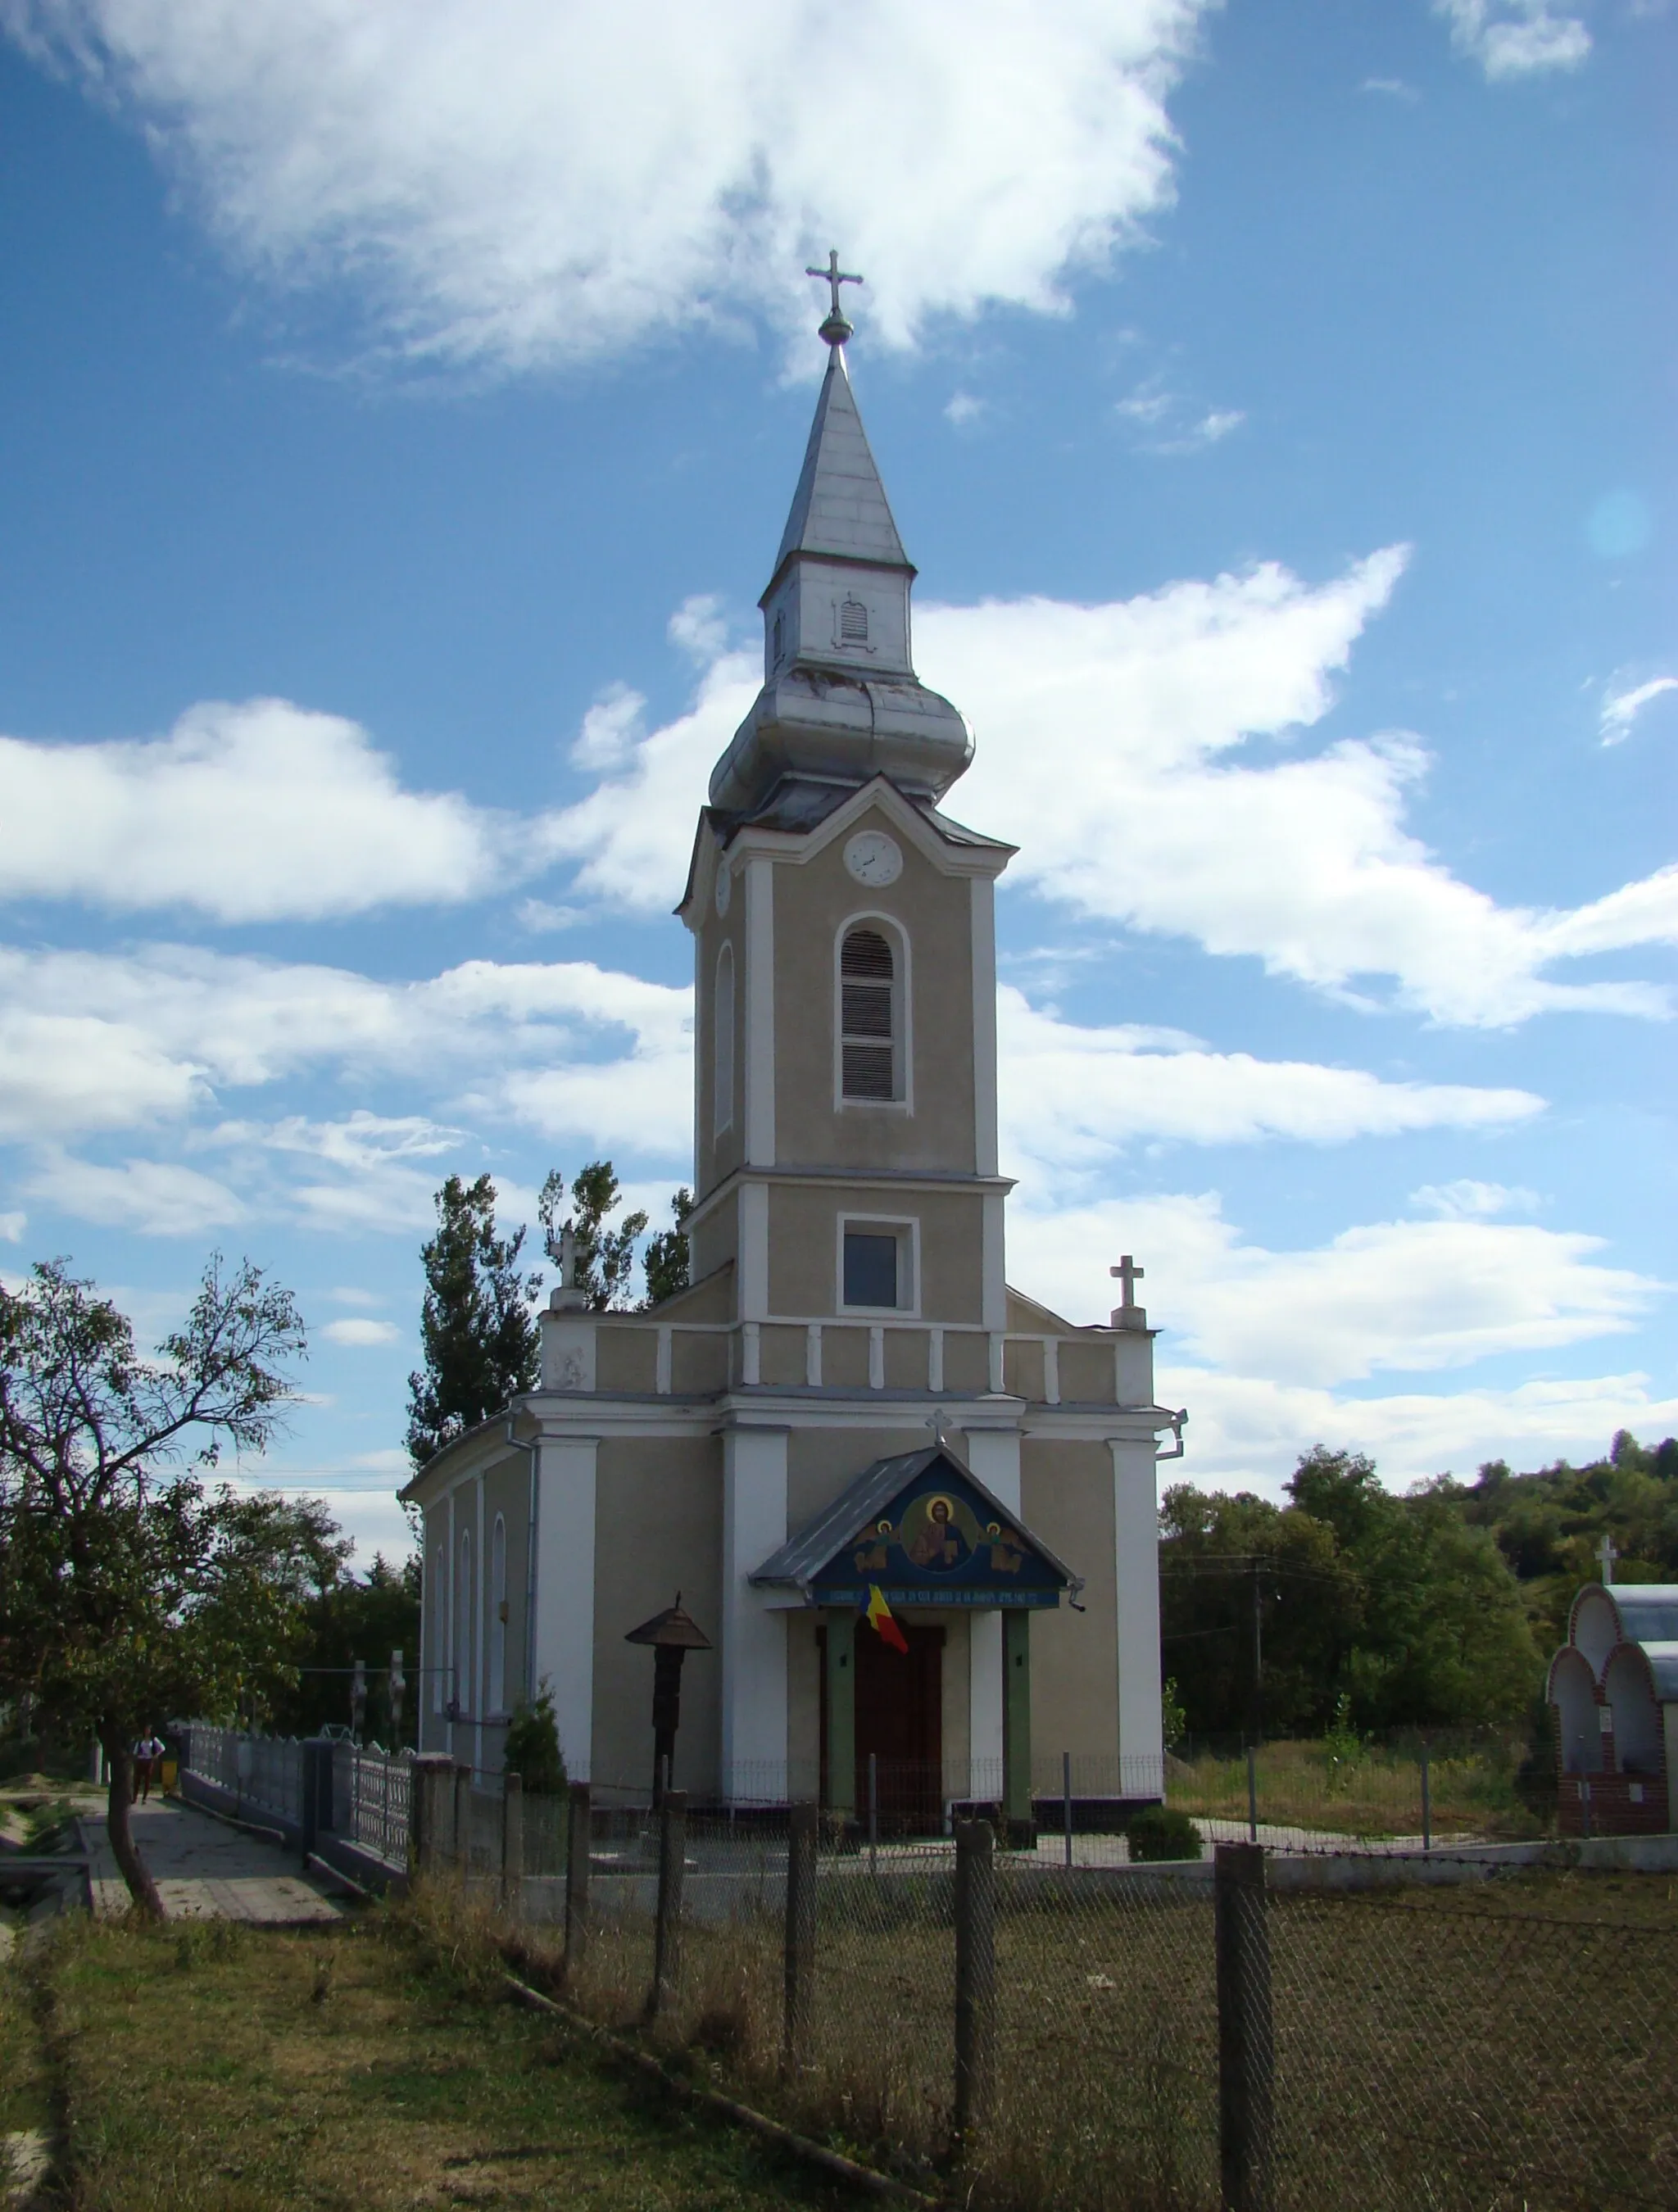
<point x="672" y="1634"/>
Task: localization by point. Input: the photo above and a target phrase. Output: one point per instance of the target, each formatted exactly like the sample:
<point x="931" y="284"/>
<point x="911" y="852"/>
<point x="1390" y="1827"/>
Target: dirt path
<point x="205" y="1870"/>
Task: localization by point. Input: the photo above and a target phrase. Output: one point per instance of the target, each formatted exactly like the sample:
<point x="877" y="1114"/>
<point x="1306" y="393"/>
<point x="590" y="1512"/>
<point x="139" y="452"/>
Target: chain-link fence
<point x="1108" y="2039"/>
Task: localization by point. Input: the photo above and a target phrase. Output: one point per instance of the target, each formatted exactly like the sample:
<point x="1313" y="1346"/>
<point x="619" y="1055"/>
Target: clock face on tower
<point x="874" y="858"/>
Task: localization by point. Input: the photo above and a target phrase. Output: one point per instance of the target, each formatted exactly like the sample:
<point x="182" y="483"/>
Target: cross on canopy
<point x="1607" y="1554"/>
<point x="1130" y="1274"/>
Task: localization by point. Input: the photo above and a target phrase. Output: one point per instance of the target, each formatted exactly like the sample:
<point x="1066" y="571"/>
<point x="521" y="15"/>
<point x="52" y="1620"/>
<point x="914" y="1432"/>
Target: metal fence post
<point x="429" y="1780"/>
<point x="873" y="1814"/>
<point x="668" y="1929"/>
<point x="1252" y="1795"/>
<point x="801" y="1960"/>
<point x="579" y="1825"/>
<point x="975" y="1978"/>
<point x="1066" y="1800"/>
<point x="511" y="1842"/>
<point x="1246" y="2044"/>
<point x="463" y="1821"/>
<point x="1426" y="1805"/>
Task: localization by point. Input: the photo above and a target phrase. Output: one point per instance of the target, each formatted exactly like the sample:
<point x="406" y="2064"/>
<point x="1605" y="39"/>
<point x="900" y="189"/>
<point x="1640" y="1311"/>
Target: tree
<point x="604" y="1256"/>
<point x="351" y="1617"/>
<point x="129" y="1594"/>
<point x="477" y="1329"/>
<point x="667" y="1258"/>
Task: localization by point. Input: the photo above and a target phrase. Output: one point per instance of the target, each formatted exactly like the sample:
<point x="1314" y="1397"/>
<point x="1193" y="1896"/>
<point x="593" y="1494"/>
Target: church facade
<point x="913" y="1511"/>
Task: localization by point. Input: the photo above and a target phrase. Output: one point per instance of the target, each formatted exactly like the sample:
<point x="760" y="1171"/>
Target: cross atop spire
<point x="1607" y="1554"/>
<point x="836" y="329"/>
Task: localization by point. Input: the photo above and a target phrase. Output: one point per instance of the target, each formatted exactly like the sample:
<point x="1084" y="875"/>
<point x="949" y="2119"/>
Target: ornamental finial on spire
<point x="836" y="329"/>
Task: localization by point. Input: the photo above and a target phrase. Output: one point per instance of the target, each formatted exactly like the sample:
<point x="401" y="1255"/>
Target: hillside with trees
<point x="1353" y="1606"/>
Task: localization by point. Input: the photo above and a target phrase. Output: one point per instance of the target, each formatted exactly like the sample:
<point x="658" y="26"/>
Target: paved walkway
<point x="205" y="1870"/>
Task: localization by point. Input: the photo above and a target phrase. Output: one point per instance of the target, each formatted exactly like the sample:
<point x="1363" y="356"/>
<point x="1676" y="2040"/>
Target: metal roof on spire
<point x="840" y="509"/>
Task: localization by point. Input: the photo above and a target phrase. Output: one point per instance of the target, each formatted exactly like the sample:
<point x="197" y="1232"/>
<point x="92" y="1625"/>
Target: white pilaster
<point x="451" y="1607"/>
<point x="760" y="1012"/>
<point x="754" y="1640"/>
<point x="994" y="1290"/>
<point x="480" y="1669"/>
<point x="1136" y="1580"/>
<point x="564" y="1637"/>
<point x="754" y="1261"/>
<point x="984" y="1025"/>
<point x="993" y="1456"/>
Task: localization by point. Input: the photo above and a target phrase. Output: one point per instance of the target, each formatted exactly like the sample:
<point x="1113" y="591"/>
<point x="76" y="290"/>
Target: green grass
<point x="215" y="2065"/>
<point x="1372" y="1793"/>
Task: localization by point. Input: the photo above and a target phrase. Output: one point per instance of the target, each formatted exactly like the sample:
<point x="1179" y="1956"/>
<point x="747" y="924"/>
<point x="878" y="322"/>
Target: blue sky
<point x="397" y="416"/>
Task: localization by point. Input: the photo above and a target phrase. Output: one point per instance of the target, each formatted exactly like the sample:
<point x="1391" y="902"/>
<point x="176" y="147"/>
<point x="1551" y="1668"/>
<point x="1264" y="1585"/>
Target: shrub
<point x="533" y="1746"/>
<point x="1160" y="1832"/>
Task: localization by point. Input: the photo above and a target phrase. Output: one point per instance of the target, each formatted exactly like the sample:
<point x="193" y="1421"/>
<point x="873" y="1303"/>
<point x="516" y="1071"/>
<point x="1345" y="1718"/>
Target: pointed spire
<point x="840" y="506"/>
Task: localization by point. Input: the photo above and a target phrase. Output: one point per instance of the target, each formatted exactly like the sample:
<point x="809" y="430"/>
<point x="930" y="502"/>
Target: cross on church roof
<point x="1130" y="1274"/>
<point x="836" y="329"/>
<point x="1607" y="1554"/>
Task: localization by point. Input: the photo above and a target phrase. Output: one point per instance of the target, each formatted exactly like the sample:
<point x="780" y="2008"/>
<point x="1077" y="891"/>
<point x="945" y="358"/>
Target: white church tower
<point x="848" y="1408"/>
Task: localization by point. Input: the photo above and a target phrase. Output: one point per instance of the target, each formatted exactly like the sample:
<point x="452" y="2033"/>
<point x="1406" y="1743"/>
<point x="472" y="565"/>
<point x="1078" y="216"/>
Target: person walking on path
<point x="147" y="1754"/>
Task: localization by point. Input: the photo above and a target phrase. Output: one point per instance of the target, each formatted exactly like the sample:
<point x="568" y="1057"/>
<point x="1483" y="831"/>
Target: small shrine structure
<point x="1614" y="1689"/>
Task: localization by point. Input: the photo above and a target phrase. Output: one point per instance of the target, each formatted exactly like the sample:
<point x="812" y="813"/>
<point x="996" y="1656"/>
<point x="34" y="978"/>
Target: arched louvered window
<point x="722" y="1043"/>
<point x="778" y="639"/>
<point x="853" y="622"/>
<point x="868" y="1026"/>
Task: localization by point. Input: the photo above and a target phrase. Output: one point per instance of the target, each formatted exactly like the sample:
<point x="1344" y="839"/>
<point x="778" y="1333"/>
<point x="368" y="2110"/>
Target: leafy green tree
<point x="347" y="1618"/>
<point x="1221" y="1557"/>
<point x="666" y="1259"/>
<point x="605" y="1257"/>
<point x="130" y="1594"/>
<point x="477" y="1330"/>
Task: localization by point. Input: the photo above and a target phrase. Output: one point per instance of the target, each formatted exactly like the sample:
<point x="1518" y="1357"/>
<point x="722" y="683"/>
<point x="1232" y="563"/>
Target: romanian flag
<point x="881" y="1621"/>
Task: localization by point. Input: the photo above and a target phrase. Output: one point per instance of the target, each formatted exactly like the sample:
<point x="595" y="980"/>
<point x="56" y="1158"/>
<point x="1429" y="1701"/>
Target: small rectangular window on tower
<point x="871" y="1268"/>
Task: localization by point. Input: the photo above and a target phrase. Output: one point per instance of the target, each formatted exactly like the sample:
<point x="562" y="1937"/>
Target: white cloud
<point x="1072" y="1097"/>
<point x="347" y="1295"/>
<point x="961" y="409"/>
<point x="250" y="813"/>
<point x="1466" y="1200"/>
<point x="1244" y="1433"/>
<point x="119" y="1039"/>
<point x="1393" y="87"/>
<point x="1302" y="863"/>
<point x="514" y="182"/>
<point x="1167" y="423"/>
<point x="12" y="1226"/>
<point x="159" y="1198"/>
<point x="1420" y="1296"/>
<point x="1620" y="707"/>
<point x="359" y="1333"/>
<point x="1516" y="38"/>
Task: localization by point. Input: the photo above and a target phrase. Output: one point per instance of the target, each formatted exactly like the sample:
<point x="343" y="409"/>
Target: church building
<point x="911" y="1511"/>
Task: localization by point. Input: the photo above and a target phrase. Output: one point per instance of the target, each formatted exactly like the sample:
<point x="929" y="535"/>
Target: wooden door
<point x="900" y="1719"/>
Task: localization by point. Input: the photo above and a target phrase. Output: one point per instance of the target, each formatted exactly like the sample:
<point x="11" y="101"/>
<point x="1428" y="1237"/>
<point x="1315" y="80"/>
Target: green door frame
<point x="840" y="1674"/>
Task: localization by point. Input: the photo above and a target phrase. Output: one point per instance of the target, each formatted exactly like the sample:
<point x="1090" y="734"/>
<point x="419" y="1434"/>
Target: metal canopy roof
<point x="803" y="1557"/>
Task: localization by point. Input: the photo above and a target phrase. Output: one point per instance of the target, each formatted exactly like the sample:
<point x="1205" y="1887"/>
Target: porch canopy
<point x="922" y="1530"/>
